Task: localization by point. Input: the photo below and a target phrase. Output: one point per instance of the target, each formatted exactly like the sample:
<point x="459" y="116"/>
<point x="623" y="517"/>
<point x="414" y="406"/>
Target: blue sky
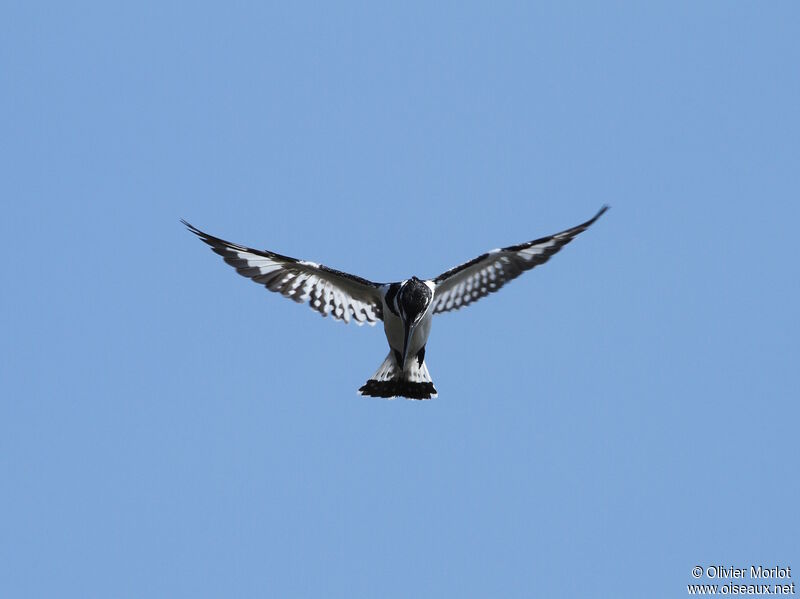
<point x="605" y="423"/>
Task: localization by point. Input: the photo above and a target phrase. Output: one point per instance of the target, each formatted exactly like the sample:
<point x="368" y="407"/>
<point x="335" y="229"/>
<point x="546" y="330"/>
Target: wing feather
<point x="326" y="290"/>
<point x="468" y="282"/>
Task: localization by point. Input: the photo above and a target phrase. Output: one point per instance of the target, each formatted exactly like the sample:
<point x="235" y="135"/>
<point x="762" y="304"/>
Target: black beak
<point x="408" y="333"/>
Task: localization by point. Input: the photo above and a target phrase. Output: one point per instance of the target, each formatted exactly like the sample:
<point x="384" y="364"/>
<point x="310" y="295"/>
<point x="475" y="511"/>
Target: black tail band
<point x="395" y="388"/>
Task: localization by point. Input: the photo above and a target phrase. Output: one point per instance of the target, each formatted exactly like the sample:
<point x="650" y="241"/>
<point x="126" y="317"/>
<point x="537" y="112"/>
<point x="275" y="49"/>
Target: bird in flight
<point x="406" y="307"/>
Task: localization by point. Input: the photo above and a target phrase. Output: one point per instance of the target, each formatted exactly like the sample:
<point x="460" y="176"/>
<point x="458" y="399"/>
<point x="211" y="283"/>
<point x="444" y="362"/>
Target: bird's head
<point x="413" y="300"/>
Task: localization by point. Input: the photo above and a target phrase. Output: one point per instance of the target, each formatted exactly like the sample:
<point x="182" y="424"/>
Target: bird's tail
<point x="390" y="381"/>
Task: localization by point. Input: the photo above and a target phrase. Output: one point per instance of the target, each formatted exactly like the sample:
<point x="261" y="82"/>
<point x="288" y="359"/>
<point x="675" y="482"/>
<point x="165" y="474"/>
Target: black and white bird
<point x="406" y="308"/>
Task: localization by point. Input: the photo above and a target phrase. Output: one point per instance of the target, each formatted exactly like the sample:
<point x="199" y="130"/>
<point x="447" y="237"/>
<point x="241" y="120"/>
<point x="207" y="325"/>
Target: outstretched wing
<point x="464" y="284"/>
<point x="328" y="291"/>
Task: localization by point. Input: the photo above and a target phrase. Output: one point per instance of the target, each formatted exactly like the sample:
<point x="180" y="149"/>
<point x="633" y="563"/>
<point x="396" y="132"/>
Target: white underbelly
<point x="393" y="327"/>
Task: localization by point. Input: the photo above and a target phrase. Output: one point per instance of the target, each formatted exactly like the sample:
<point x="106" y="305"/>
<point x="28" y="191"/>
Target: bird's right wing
<point x="464" y="284"/>
<point x="328" y="291"/>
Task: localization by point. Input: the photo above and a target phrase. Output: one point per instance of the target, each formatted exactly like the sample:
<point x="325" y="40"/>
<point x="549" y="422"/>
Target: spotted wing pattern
<point x="464" y="284"/>
<point x="328" y="291"/>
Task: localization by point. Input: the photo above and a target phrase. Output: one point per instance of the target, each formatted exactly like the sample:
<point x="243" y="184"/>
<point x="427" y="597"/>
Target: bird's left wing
<point x="328" y="291"/>
<point x="464" y="284"/>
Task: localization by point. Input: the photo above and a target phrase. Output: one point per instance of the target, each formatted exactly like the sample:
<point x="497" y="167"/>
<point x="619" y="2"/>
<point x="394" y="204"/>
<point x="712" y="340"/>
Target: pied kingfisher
<point x="406" y="308"/>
